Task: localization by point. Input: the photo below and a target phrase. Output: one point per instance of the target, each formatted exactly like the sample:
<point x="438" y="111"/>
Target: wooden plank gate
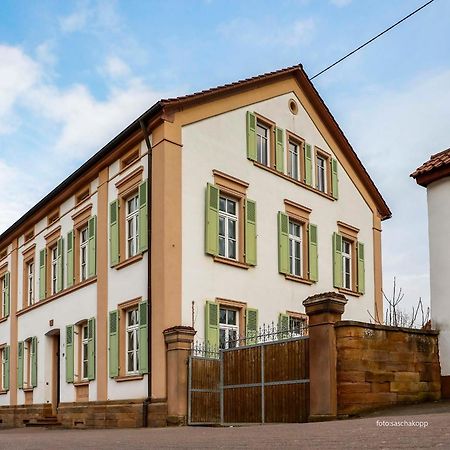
<point x="266" y="382"/>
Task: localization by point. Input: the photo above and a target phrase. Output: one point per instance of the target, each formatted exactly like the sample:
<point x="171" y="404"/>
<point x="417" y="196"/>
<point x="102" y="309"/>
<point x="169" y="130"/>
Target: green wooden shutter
<point x="308" y="164"/>
<point x="334" y="179"/>
<point x="91" y="348"/>
<point x="7" y="294"/>
<point x="42" y="274"/>
<point x="143" y="216"/>
<point x="114" y="233"/>
<point x="283" y="243"/>
<point x="143" y="337"/>
<point x="34" y="361"/>
<point x="251" y="326"/>
<point x="114" y="343"/>
<point x="6" y="351"/>
<point x="279" y="149"/>
<point x="212" y="325"/>
<point x="283" y="326"/>
<point x="313" y="253"/>
<point x="70" y="259"/>
<point x="69" y="354"/>
<point x="250" y="232"/>
<point x="361" y="269"/>
<point x="20" y="365"/>
<point x="251" y="136"/>
<point x="337" y="260"/>
<point x="92" y="246"/>
<point x="212" y="220"/>
<point x="60" y="264"/>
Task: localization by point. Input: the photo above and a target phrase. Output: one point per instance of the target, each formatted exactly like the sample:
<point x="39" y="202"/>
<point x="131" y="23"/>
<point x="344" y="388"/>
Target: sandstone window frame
<point x="270" y="125"/>
<point x="327" y="158"/>
<point x="300" y="143"/>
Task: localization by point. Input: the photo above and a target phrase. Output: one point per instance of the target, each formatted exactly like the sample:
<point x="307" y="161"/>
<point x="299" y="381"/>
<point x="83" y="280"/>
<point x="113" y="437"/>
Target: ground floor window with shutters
<point x="229" y="323"/>
<point x="5" y="294"/>
<point x="293" y="324"/>
<point x="128" y="220"/>
<point x="348" y="260"/>
<point x="4" y="368"/>
<point x="80" y="351"/>
<point x="128" y="340"/>
<point x="297" y="244"/>
<point x="230" y="221"/>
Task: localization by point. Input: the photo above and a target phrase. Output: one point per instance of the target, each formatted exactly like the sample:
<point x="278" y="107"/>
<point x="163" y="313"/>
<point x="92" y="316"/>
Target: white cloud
<point x="294" y="34"/>
<point x="74" y="22"/>
<point x="115" y="67"/>
<point x="18" y="73"/>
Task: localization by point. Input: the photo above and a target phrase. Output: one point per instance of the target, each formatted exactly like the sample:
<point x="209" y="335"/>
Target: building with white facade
<point x="220" y="211"/>
<point x="435" y="176"/>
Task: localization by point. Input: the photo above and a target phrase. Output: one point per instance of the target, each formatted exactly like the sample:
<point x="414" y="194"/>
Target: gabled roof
<point x="177" y="103"/>
<point x="437" y="167"/>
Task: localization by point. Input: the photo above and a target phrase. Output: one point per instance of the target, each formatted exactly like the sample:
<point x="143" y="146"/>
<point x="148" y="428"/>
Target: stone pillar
<point x="323" y="311"/>
<point x="178" y="346"/>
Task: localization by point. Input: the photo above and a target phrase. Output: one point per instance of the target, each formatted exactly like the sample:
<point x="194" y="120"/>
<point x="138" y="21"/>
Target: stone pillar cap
<point x="325" y="302"/>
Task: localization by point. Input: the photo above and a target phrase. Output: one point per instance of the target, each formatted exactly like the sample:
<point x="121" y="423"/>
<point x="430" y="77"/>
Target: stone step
<point x="44" y="422"/>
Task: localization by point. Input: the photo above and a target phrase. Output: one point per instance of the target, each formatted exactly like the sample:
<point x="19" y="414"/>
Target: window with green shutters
<point x="60" y="265"/>
<point x="91" y="349"/>
<point x="298" y="257"/>
<point x="130" y="210"/>
<point x="225" y="323"/>
<point x="20" y="361"/>
<point x="130" y="326"/>
<point x="348" y="263"/>
<point x="27" y="363"/>
<point x="230" y="226"/>
<point x="34" y="361"/>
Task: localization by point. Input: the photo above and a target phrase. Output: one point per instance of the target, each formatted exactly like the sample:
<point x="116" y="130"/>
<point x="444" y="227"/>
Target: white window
<point x="132" y="341"/>
<point x="83" y="254"/>
<point x="346" y="264"/>
<point x="298" y="326"/>
<point x="54" y="266"/>
<point x="295" y="249"/>
<point x="262" y="144"/>
<point x="321" y="174"/>
<point x="228" y="327"/>
<point x="228" y="228"/>
<point x="30" y="283"/>
<point x="4" y="299"/>
<point x="27" y="358"/>
<point x="132" y="220"/>
<point x="294" y="160"/>
<point x="84" y="352"/>
<point x="4" y="368"/>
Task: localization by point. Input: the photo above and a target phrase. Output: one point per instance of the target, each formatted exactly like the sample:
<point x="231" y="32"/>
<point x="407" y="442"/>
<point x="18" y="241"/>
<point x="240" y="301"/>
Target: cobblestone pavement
<point x="362" y="433"/>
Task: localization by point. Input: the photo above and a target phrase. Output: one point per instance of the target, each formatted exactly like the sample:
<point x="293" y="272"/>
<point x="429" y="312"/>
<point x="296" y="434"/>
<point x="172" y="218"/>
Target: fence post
<point x="323" y="311"/>
<point x="178" y="346"/>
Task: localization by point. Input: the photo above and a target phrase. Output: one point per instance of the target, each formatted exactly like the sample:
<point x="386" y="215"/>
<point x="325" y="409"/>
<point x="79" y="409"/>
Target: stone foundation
<point x="19" y="416"/>
<point x="110" y="414"/>
<point x="378" y="366"/>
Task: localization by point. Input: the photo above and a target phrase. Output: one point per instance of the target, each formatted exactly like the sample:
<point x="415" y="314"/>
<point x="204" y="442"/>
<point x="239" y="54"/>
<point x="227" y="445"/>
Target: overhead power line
<point x="373" y="39"/>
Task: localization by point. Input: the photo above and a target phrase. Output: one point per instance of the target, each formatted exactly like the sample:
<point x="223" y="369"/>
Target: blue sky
<point x="74" y="74"/>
